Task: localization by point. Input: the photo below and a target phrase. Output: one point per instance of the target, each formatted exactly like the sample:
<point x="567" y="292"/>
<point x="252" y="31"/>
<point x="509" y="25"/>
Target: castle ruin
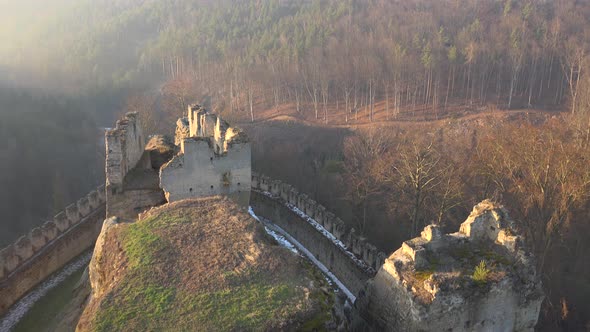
<point x="429" y="284"/>
<point x="437" y="282"/>
<point x="132" y="183"/>
<point x="207" y="158"/>
<point x="214" y="159"/>
<point x="44" y="250"/>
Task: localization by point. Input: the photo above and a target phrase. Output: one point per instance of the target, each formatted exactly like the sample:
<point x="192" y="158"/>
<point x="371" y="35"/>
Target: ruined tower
<point x="214" y="159"/>
<point x="478" y="279"/>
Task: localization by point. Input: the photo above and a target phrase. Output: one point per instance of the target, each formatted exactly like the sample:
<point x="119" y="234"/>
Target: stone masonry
<point x="132" y="183"/>
<point x="35" y="256"/>
<point x="125" y="144"/>
<point x="214" y="159"/>
<point x="429" y="284"/>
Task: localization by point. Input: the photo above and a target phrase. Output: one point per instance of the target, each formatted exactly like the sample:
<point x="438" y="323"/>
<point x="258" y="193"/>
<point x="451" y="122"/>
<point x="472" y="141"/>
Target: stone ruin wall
<point x="214" y="159"/>
<point x="46" y="249"/>
<point x="270" y="199"/>
<point x="127" y="157"/>
<point x="35" y="256"/>
<point x="446" y="301"/>
<point x="125" y="145"/>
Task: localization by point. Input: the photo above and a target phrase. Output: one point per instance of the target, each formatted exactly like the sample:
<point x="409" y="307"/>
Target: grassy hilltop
<point x="201" y="265"/>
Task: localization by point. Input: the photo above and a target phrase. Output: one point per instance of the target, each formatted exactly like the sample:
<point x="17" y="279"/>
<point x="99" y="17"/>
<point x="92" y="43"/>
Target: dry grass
<point x="203" y="265"/>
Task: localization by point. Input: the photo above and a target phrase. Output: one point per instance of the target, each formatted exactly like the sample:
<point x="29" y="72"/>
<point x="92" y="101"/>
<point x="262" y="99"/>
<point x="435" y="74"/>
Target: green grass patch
<point x="142" y="307"/>
<point x="142" y="244"/>
<point x="318" y="322"/>
<point x="249" y="307"/>
<point x="149" y="299"/>
<point x="139" y="299"/>
<point x="481" y="273"/>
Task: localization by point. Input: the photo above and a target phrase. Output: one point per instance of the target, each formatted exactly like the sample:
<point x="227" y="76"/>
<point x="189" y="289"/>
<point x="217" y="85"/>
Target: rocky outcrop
<point x="200" y="264"/>
<point x="478" y="279"/>
<point x="97" y="270"/>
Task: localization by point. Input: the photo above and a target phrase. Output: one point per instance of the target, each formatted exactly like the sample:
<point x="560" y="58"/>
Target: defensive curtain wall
<point x="35" y="256"/>
<point x="350" y="257"/>
<point x="132" y="186"/>
<point x="47" y="248"/>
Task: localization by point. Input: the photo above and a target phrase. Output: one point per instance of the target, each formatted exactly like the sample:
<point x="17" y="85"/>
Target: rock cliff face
<point x="478" y="279"/>
<point x="200" y="264"/>
<point x="98" y="274"/>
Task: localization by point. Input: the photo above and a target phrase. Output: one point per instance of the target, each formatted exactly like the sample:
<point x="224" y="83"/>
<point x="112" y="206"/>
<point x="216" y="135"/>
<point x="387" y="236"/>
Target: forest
<point x="393" y="114"/>
<point x="418" y="54"/>
<point x="51" y="154"/>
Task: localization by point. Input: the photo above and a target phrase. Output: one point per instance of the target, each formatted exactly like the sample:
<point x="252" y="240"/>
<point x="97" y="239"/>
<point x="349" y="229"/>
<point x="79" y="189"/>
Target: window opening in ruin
<point x="190" y="190"/>
<point x="211" y="187"/>
<point x="211" y="159"/>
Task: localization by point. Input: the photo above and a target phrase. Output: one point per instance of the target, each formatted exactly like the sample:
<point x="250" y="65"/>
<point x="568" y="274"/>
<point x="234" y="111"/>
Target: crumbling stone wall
<point x="350" y="257"/>
<point x="429" y="285"/>
<point x="182" y="131"/>
<point x="131" y="182"/>
<point x="214" y="160"/>
<point x="125" y="145"/>
<point x="47" y="248"/>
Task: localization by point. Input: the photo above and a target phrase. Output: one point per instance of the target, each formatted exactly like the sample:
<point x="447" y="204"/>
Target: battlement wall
<point x="357" y="244"/>
<point x="346" y="254"/>
<point x="35" y="256"/>
<point x="200" y="123"/>
<point x="214" y="159"/>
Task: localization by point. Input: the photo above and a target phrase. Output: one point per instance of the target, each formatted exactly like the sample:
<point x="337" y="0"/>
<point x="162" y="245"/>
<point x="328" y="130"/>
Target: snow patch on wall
<point x="325" y="232"/>
<point x="286" y="240"/>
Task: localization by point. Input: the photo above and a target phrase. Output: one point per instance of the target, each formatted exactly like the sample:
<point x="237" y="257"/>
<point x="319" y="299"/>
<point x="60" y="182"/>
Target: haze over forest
<point x="394" y="114"/>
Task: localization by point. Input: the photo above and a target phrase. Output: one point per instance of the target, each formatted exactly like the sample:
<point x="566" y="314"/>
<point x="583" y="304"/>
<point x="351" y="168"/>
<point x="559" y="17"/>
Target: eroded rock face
<point x="96" y="270"/>
<point x="430" y="284"/>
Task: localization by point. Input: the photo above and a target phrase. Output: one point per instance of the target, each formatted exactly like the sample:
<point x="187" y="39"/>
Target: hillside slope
<point x="199" y="265"/>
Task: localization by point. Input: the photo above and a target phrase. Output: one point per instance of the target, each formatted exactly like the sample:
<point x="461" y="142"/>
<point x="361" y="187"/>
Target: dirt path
<point x="267" y="117"/>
